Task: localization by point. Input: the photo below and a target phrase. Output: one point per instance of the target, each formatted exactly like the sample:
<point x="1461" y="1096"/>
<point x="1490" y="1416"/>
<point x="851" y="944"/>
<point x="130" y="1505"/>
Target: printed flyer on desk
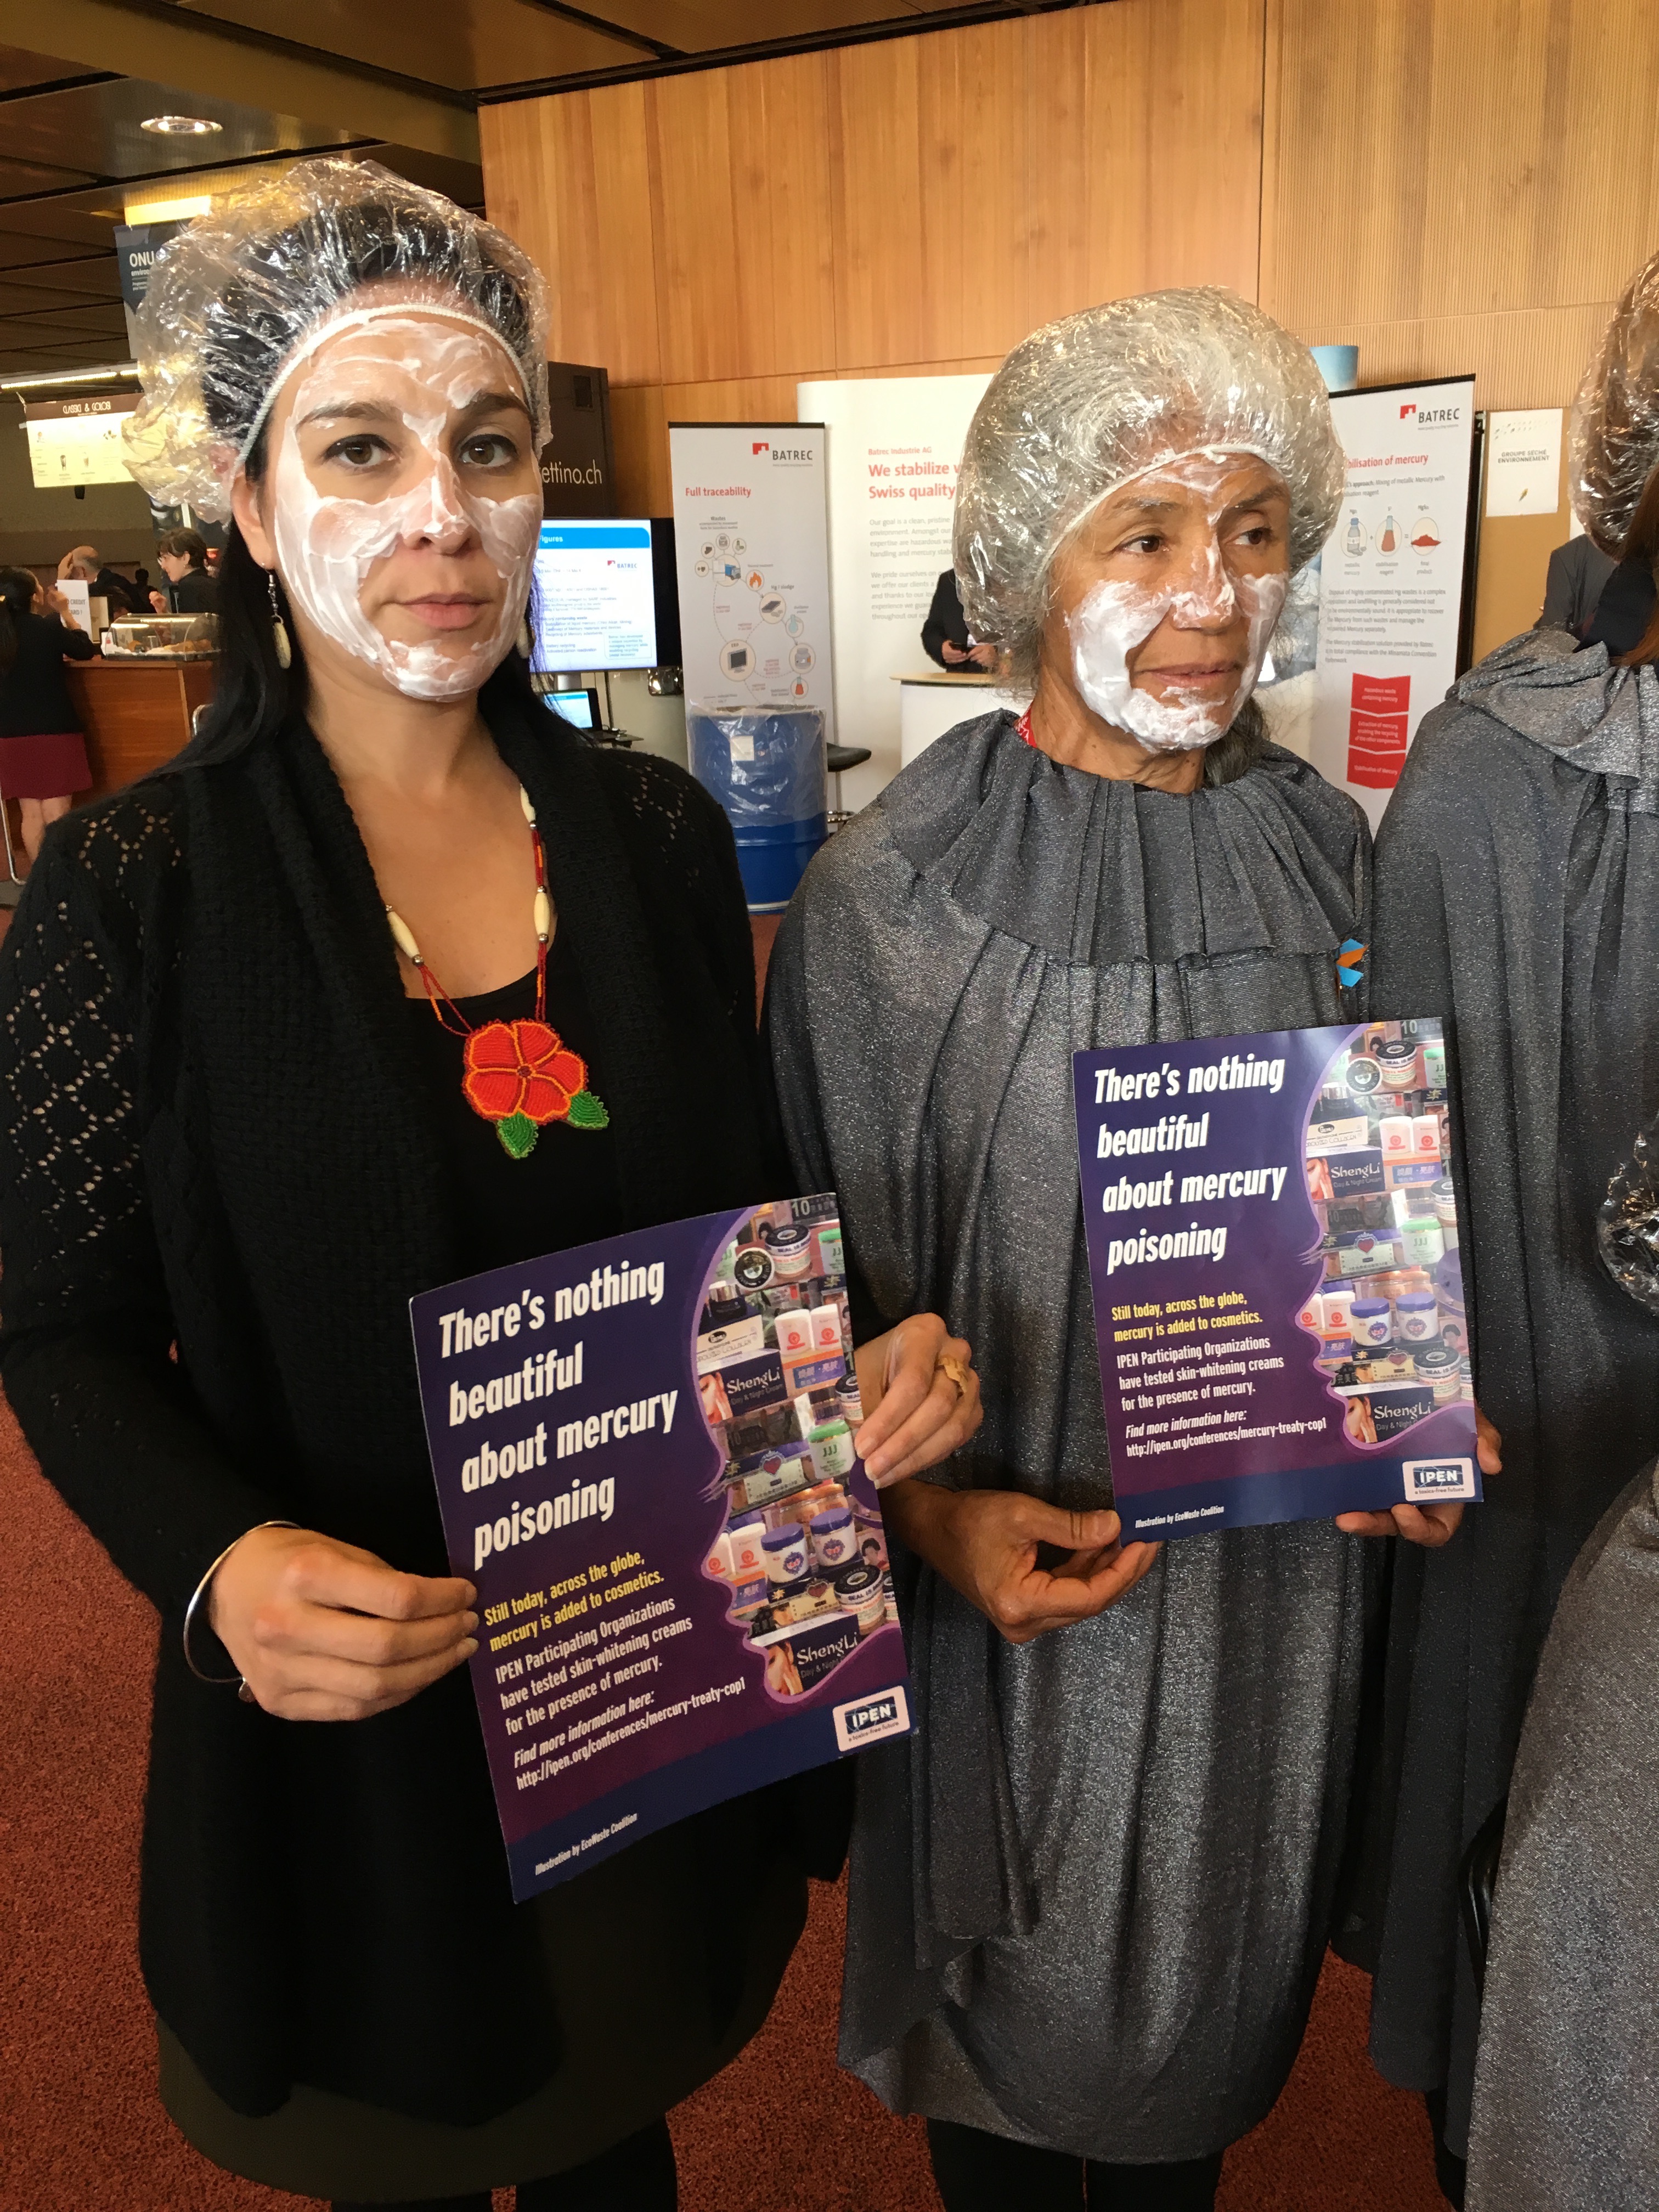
<point x="1272" y="1241"/>
<point x="643" y="1450"/>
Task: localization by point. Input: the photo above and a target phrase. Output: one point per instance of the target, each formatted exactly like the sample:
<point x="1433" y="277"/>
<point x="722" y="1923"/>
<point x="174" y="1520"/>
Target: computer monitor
<point x="606" y="596"/>
<point x="580" y="707"/>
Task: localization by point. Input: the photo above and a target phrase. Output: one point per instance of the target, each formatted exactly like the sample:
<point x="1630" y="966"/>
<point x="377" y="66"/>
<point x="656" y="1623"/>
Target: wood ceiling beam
<point x="167" y="45"/>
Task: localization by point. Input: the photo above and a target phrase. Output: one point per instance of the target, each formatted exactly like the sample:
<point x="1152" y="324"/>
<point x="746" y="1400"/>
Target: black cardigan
<point x="214" y="1134"/>
<point x="34" y="700"/>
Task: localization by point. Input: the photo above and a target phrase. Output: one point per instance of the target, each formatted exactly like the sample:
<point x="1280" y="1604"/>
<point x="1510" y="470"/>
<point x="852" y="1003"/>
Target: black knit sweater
<point x="213" y="1135"/>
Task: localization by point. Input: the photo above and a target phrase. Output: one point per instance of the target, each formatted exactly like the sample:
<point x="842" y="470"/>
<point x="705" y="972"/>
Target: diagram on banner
<point x="754" y="566"/>
<point x="764" y="646"/>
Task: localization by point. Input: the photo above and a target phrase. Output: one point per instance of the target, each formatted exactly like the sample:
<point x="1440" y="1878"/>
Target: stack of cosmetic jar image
<point x="802" y="1549"/>
<point x="1388" y="1313"/>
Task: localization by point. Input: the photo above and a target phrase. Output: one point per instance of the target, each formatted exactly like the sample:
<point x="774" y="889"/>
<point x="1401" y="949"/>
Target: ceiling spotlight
<point x="180" y="126"/>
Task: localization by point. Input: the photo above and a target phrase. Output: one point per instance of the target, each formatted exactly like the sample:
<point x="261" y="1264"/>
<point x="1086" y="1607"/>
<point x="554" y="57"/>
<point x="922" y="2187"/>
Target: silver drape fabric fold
<point x="1089" y="1898"/>
<point x="1517" y="897"/>
<point x="1566" y="2094"/>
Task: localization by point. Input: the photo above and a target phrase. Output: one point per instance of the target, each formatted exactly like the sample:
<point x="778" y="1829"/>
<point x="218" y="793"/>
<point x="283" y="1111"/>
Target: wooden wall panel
<point x="569" y="179"/>
<point x="1146" y="128"/>
<point x="912" y="206"/>
<point x="742" y="219"/>
<point x="932" y="182"/>
<point x="1458" y="183"/>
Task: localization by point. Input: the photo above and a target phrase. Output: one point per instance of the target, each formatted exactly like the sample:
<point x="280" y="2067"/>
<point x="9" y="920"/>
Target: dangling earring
<point x="278" y="627"/>
<point x="523" y="639"/>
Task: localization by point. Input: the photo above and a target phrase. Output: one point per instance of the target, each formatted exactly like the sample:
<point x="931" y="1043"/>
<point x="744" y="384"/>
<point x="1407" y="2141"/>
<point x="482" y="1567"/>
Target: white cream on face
<point x="327" y="545"/>
<point x="1115" y="616"/>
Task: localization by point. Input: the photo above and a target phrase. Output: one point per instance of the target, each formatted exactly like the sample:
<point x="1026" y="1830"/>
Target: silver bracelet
<point x="219" y="1681"/>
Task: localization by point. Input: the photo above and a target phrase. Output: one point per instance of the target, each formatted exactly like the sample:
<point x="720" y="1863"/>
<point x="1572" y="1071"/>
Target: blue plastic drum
<point x="767" y="771"/>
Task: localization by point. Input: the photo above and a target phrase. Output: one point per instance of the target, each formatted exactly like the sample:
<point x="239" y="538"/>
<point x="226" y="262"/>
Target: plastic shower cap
<point x="1085" y="404"/>
<point x="234" y="300"/>
<point x="1615" y="424"/>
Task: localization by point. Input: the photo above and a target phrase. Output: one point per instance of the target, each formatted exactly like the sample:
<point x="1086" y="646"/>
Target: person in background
<point x="43" y="753"/>
<point x="141" y="586"/>
<point x="945" y="635"/>
<point x="1517" y="899"/>
<point x="190" y="590"/>
<point x="85" y="562"/>
<point x="1090" y="1899"/>
<point x="1579" y="572"/>
<point x="234" y="1141"/>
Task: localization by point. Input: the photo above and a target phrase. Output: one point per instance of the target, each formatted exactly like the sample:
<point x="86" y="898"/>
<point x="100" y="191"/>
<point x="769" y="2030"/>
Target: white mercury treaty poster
<point x="1391" y="580"/>
<point x="895" y="448"/>
<point x="752" y="553"/>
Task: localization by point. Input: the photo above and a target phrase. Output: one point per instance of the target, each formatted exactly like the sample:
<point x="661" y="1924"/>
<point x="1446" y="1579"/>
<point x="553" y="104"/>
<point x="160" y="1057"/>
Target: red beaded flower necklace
<point x="519" y="1075"/>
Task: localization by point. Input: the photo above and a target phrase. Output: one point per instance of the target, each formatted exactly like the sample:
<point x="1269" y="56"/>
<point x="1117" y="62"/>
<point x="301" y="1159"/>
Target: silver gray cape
<point x="1090" y="1897"/>
<point x="1566" y="2091"/>
<point x="1517" y="896"/>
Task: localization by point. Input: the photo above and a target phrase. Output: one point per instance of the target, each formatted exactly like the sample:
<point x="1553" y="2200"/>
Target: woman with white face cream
<point x="391" y="979"/>
<point x="1091" y="1897"/>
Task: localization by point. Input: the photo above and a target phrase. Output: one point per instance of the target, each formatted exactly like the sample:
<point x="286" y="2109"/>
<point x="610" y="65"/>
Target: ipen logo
<point x="869" y="1720"/>
<point x="1438" y="1478"/>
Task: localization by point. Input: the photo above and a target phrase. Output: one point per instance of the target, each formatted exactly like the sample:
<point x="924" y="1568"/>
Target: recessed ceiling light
<point x="180" y="126"/>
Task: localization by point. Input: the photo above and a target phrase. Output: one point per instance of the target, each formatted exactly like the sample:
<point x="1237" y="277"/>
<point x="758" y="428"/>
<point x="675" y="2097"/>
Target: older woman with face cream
<point x="1089" y="1900"/>
<point x="235" y="1132"/>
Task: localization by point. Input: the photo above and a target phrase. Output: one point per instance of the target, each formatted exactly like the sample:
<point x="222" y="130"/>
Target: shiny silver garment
<point x="1089" y="1898"/>
<point x="1517" y="896"/>
<point x="1567" y="2090"/>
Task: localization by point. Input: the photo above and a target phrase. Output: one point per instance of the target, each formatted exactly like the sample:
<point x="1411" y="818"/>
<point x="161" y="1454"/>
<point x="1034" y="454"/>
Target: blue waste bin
<point x="767" y="771"/>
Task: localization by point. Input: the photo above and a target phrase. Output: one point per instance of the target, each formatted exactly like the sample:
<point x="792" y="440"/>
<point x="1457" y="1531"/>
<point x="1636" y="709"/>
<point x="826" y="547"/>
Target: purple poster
<point x="1272" y="1241"/>
<point x="644" y="1455"/>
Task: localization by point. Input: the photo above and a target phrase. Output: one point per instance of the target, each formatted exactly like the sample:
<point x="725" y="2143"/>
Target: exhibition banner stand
<point x="752" y="556"/>
<point x="895" y="448"/>
<point x="1394" y="578"/>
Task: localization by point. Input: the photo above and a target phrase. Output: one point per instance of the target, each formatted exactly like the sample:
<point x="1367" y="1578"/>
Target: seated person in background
<point x="85" y="564"/>
<point x="1578" y="571"/>
<point x="190" y="590"/>
<point x="945" y="636"/>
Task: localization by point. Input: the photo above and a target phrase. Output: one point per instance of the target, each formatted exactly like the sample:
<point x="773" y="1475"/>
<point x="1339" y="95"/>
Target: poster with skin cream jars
<point x="645" y="1461"/>
<point x="1274" y="1249"/>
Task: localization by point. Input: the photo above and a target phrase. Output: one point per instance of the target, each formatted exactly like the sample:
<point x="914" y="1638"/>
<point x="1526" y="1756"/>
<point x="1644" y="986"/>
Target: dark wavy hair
<point x="253" y="695"/>
<point x="17" y="590"/>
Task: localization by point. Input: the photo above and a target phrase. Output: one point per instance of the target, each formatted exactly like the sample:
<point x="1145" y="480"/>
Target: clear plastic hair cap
<point x="235" y="299"/>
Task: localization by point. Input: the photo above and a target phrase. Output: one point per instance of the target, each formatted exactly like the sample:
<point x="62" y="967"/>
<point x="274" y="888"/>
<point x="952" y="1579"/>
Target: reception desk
<point x="135" y="713"/>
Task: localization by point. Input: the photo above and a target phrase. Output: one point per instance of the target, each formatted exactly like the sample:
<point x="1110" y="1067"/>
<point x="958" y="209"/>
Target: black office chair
<point x="836" y="760"/>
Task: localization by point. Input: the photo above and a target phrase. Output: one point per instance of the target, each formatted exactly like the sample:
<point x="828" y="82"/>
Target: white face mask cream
<point x="327" y="545"/>
<point x="1115" y="616"/>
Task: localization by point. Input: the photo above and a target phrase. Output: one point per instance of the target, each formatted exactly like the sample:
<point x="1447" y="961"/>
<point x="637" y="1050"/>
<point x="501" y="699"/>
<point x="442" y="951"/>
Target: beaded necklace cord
<point x="518" y="1075"/>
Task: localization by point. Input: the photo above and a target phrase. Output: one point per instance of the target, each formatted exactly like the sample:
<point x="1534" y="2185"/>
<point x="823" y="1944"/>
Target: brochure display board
<point x="752" y="556"/>
<point x="1393" y="577"/>
<point x="1274" y="1242"/>
<point x="895" y="448"/>
<point x="643" y="1450"/>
